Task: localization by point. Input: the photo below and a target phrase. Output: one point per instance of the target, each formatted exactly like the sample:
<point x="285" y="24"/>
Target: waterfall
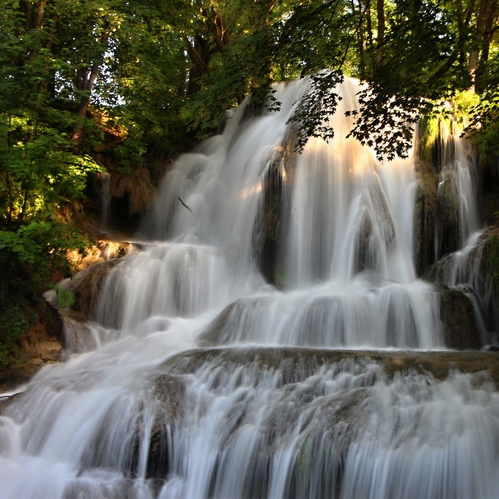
<point x="459" y="212"/>
<point x="271" y="340"/>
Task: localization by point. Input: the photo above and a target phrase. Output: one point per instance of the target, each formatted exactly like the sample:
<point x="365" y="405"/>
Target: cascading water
<point x="457" y="191"/>
<point x="211" y="383"/>
<point x="459" y="231"/>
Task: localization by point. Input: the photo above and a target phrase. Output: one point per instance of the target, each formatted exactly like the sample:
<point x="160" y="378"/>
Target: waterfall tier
<point x="257" y="346"/>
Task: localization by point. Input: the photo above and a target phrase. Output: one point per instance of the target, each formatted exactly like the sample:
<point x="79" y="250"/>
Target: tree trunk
<point x="381" y="32"/>
<point x="485" y="15"/>
<point x="490" y="26"/>
<point x="199" y="53"/>
<point x="86" y="84"/>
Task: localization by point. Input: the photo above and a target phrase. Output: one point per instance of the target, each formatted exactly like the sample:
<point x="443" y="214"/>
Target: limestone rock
<point x="78" y="336"/>
<point x="477" y="268"/>
<point x="425" y="215"/>
<point x="86" y="286"/>
<point x="137" y="186"/>
<point x="376" y="208"/>
<point x="449" y="226"/>
<point x="458" y="319"/>
<point x="267" y="227"/>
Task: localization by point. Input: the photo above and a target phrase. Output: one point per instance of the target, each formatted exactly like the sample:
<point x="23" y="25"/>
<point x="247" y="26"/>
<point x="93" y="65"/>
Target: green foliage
<point x="315" y="108"/>
<point x="42" y="245"/>
<point x="492" y="248"/>
<point x="17" y="303"/>
<point x="429" y="131"/>
<point x="425" y="56"/>
<point x="13" y="325"/>
<point x="65" y="298"/>
<point x="453" y="113"/>
<point x="38" y="172"/>
<point x="386" y="124"/>
<point x="128" y="154"/>
<point x="27" y="256"/>
<point x="64" y="66"/>
<point x="138" y="81"/>
<point x="483" y="127"/>
<point x="147" y="78"/>
<point x="233" y="57"/>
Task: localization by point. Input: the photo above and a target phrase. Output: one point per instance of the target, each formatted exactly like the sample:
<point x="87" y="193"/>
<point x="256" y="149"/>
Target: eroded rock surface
<point x="425" y="214"/>
<point x="267" y="227"/>
<point x="458" y="319"/>
<point x="86" y="286"/>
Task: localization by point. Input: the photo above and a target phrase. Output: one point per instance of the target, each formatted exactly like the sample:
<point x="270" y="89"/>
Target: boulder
<point x="86" y="286"/>
<point x="78" y="334"/>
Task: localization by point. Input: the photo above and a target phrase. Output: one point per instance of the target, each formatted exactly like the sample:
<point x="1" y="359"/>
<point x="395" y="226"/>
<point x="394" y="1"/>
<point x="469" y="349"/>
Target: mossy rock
<point x="458" y="319"/>
<point x="86" y="286"/>
<point x="266" y="236"/>
<point x="425" y="215"/>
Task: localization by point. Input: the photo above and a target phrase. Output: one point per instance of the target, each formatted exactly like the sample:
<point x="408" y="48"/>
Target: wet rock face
<point x="297" y="364"/>
<point x="449" y="230"/>
<point x="458" y="319"/>
<point x="437" y="223"/>
<point x="153" y="414"/>
<point x="363" y="244"/>
<point x="78" y="335"/>
<point x="267" y="227"/>
<point x="328" y="401"/>
<point x="425" y="215"/>
<point x="131" y="196"/>
<point x="366" y="247"/>
<point x="86" y="287"/>
<point x="476" y="267"/>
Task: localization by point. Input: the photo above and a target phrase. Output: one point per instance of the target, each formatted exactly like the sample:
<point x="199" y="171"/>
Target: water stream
<point x="210" y="382"/>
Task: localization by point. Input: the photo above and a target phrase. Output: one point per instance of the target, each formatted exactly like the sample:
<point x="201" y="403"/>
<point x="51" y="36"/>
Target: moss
<point x="492" y="255"/>
<point x="65" y="298"/>
<point x="306" y="458"/>
<point x="454" y="112"/>
<point x="462" y="104"/>
<point x="429" y="130"/>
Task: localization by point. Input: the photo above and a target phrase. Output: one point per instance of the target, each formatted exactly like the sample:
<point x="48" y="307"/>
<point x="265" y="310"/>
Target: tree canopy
<point x="158" y="71"/>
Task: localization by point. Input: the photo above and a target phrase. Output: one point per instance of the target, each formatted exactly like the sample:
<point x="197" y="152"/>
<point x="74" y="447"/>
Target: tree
<point x="426" y="51"/>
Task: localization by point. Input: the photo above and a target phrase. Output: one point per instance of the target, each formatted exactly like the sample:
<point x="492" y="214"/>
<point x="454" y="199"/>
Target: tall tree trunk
<point x="485" y="15"/>
<point x="40" y="14"/>
<point x="86" y="84"/>
<point x="370" y="39"/>
<point x="491" y="25"/>
<point x="199" y="53"/>
<point x="201" y="47"/>
<point x="380" y="8"/>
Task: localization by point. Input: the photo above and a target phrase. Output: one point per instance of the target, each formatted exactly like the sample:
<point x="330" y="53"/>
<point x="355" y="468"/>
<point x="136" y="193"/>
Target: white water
<point x="466" y="269"/>
<point x="137" y="418"/>
<point x="459" y="172"/>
